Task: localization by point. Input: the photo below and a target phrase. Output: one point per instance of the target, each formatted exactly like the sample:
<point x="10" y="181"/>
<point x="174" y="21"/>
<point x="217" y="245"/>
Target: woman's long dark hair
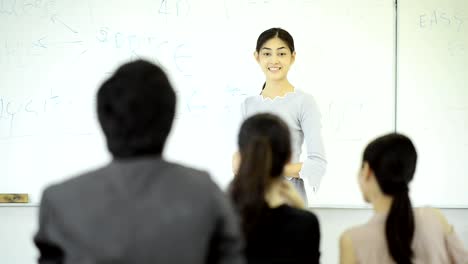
<point x="265" y="148"/>
<point x="274" y="33"/>
<point x="393" y="159"/>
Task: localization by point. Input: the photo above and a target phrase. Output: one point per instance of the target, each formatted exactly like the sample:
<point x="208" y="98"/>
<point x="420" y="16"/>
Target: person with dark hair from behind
<point x="276" y="226"/>
<point x="397" y="233"/>
<point x="139" y="208"/>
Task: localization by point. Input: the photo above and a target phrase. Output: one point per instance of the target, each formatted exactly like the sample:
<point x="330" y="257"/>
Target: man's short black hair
<point x="136" y="108"/>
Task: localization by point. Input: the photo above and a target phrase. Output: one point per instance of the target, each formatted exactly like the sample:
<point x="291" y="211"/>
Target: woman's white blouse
<point x="299" y="110"/>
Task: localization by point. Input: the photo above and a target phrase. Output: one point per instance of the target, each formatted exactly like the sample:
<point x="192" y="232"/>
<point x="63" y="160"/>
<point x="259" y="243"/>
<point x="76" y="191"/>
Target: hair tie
<point x="392" y="188"/>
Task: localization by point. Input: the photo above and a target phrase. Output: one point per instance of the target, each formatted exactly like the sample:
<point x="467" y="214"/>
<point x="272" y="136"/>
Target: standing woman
<point x="275" y="54"/>
<point x="276" y="226"/>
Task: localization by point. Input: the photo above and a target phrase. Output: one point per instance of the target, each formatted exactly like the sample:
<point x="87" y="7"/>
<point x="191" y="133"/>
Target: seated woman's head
<point x="264" y="149"/>
<point x="264" y="146"/>
<point x="391" y="160"/>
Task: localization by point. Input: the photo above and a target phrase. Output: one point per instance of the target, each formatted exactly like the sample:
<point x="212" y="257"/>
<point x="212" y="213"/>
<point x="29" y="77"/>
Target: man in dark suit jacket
<point x="139" y="208"/>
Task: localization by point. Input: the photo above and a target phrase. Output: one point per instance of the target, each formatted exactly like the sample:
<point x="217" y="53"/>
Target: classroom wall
<point x="18" y="225"/>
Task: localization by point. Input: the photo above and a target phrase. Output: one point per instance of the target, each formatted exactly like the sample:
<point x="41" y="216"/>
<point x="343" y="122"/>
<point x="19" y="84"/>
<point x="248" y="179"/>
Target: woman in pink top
<point x="397" y="233"/>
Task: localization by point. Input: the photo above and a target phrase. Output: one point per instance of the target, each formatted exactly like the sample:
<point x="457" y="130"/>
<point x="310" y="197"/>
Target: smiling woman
<point x="275" y="54"/>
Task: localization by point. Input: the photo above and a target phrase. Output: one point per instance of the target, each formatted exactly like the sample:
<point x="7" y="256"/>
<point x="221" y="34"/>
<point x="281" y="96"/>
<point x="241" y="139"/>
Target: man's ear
<point x="236" y="160"/>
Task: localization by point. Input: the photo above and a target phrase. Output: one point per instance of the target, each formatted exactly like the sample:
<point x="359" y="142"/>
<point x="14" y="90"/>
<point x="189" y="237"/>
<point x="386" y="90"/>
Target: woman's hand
<point x="292" y="170"/>
<point x="290" y="195"/>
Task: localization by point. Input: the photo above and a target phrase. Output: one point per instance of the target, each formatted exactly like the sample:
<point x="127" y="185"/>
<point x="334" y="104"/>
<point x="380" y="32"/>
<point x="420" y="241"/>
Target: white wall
<point x="18" y="225"/>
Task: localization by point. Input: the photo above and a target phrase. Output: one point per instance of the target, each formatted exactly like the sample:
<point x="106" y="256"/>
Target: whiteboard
<point x="55" y="54"/>
<point x="433" y="97"/>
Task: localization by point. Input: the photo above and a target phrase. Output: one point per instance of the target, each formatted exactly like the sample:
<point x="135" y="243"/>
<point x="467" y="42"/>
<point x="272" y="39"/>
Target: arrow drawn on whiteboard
<point x="44" y="44"/>
<point x="55" y="20"/>
<point x="39" y="43"/>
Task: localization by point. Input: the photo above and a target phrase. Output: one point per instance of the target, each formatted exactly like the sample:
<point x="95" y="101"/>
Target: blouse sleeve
<point x="456" y="250"/>
<point x="314" y="167"/>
